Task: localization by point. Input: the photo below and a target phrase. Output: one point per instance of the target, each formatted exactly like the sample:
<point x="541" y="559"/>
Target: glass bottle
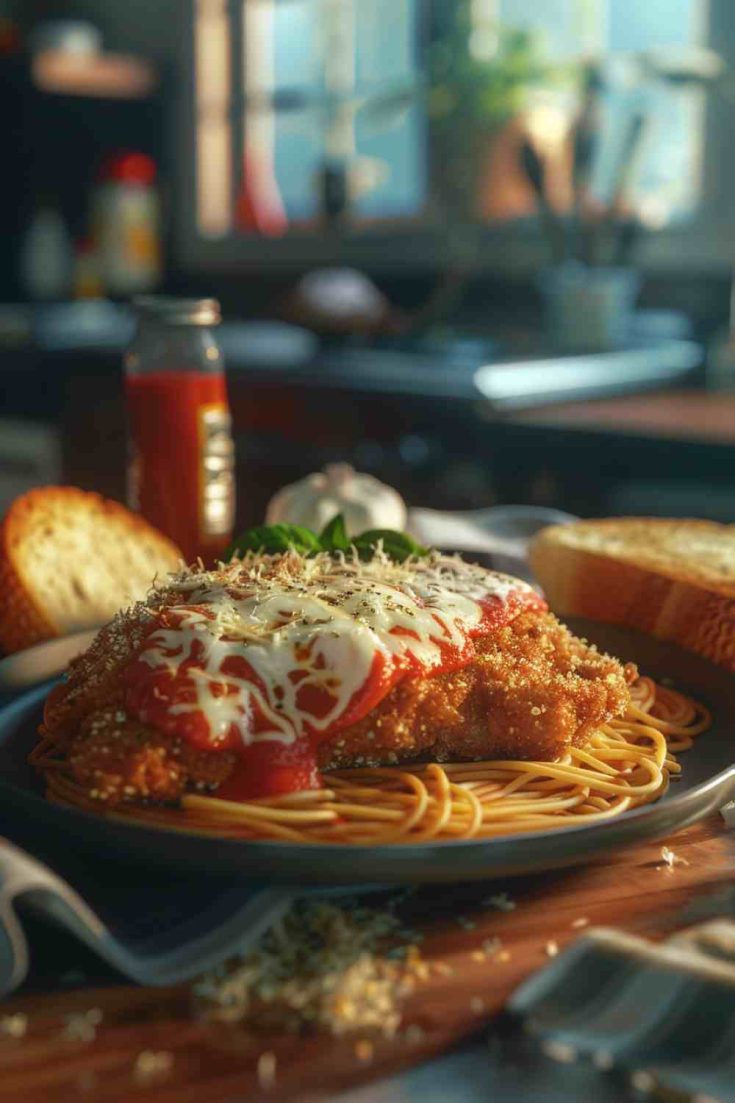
<point x="181" y="455"/>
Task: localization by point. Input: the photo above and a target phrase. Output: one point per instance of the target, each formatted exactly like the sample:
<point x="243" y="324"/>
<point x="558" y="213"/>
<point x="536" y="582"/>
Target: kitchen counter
<point x="695" y="416"/>
<point x="508" y="368"/>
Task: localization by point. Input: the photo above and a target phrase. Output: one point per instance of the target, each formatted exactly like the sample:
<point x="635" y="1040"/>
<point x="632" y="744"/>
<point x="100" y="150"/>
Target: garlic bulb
<point x="364" y="502"/>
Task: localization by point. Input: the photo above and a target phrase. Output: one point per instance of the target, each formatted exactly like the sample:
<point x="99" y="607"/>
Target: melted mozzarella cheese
<point x="318" y="622"/>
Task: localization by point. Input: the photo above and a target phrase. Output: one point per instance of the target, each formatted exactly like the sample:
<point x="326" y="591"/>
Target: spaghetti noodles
<point x="626" y="763"/>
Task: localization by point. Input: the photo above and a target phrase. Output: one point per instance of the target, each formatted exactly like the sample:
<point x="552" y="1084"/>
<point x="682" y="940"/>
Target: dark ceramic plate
<point x="708" y="782"/>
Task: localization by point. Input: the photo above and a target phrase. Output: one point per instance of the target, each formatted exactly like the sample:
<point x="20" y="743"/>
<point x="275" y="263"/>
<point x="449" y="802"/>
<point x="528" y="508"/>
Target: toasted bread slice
<point x="70" y="560"/>
<point x="674" y="579"/>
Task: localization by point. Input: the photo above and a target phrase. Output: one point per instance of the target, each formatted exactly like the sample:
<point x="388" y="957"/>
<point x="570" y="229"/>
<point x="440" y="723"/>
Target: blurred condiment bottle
<point x="47" y="255"/>
<point x="181" y="458"/>
<point x="125" y="221"/>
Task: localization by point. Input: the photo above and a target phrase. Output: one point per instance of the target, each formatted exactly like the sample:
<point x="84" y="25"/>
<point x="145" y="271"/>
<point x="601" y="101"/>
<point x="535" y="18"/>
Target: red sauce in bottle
<point x="181" y="452"/>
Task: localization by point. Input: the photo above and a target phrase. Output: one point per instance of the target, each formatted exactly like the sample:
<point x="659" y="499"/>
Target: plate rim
<point x="600" y="837"/>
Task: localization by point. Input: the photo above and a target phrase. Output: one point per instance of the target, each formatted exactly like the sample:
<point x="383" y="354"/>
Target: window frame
<point x="706" y="243"/>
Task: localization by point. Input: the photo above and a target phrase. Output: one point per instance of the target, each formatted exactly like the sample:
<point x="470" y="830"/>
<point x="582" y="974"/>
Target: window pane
<point x="666" y="183"/>
<point x="668" y="180"/>
<point x="400" y="157"/>
<point x="324" y="103"/>
<point x="633" y="25"/>
<point x="385" y="40"/>
<point x="296" y="44"/>
<point x="569" y="27"/>
<point x="298" y="152"/>
<point x="396" y="146"/>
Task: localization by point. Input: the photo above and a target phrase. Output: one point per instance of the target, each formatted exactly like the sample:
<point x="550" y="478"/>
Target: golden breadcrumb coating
<point x="532" y="691"/>
<point x="93" y="679"/>
<point x="116" y="758"/>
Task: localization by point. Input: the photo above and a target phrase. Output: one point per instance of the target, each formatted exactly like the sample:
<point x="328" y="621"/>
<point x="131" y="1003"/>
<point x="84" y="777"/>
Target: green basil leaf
<point x="396" y="545"/>
<point x="275" y="539"/>
<point x="333" y="536"/>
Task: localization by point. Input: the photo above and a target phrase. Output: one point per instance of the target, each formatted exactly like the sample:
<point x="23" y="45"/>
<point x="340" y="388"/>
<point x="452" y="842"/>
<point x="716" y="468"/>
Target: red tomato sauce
<point x="165" y="696"/>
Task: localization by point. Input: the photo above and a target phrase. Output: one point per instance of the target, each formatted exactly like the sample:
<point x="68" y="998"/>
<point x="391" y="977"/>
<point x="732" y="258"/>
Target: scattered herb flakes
<point x="364" y="1050"/>
<point x="669" y="858"/>
<point x="266" y="1070"/>
<point x="14" y="1026"/>
<point x="419" y="969"/>
<point x="82" y="1026"/>
<point x="560" y="1051"/>
<point x="151" y="1064"/>
<point x="501" y="901"/>
<point x="643" y="1081"/>
<point x="324" y="966"/>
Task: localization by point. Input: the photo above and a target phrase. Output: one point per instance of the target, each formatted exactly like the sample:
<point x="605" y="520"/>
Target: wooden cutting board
<point x="120" y="1043"/>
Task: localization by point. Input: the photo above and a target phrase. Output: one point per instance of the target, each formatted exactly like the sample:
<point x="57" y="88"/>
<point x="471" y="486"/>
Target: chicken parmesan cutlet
<point x="249" y="680"/>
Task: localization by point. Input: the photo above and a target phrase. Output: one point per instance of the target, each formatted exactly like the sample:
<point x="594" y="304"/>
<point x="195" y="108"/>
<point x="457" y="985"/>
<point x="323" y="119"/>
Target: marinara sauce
<point x="180" y="473"/>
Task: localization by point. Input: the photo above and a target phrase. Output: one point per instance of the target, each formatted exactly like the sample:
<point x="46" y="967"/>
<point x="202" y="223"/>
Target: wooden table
<point x="462" y="991"/>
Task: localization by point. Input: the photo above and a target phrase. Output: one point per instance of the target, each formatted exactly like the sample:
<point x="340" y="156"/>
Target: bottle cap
<point x="178" y="312"/>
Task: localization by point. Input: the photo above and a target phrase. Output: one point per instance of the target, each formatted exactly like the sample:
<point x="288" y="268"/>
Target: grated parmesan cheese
<point x="669" y="859"/>
<point x="14" y="1026"/>
<point x="321" y="621"/>
<point x="324" y="967"/>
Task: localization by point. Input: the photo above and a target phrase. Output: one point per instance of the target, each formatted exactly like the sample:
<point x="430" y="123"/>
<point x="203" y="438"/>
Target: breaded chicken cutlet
<point x="437" y="661"/>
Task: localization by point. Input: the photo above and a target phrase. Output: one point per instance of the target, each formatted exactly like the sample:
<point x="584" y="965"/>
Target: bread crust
<point x="24" y="620"/>
<point x="666" y="597"/>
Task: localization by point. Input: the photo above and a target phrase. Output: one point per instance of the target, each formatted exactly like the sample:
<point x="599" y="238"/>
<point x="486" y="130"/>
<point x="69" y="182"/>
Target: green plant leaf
<point x="274" y="539"/>
<point x="277" y="539"/>
<point x="333" y="536"/>
<point x="396" y="545"/>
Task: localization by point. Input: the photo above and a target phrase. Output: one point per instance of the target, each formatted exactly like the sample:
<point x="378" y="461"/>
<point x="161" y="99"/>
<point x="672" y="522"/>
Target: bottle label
<point x="216" y="480"/>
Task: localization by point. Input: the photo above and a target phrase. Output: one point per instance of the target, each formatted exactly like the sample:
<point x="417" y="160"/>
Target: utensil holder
<point x="588" y="308"/>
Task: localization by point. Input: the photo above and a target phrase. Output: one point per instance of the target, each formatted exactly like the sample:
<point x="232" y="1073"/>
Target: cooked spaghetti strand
<point x="625" y="763"/>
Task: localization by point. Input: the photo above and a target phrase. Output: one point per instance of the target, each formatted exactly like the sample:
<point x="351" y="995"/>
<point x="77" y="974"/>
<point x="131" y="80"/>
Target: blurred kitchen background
<point x="481" y="249"/>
